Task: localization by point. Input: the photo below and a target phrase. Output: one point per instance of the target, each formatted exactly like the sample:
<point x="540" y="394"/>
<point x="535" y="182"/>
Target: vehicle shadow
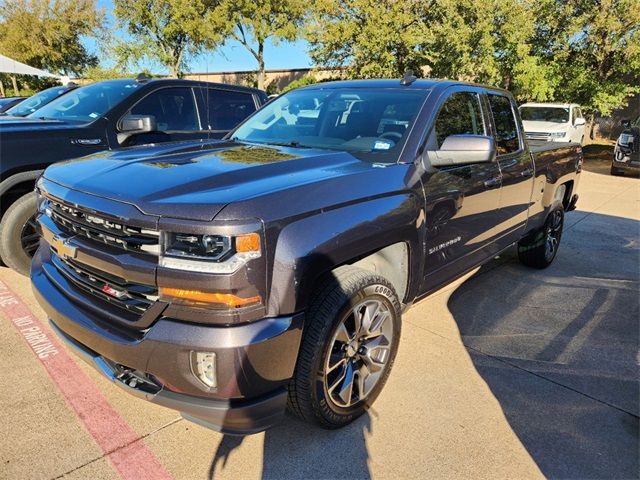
<point x="557" y="348"/>
<point x="294" y="450"/>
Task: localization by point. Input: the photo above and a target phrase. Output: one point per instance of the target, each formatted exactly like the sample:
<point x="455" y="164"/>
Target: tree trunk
<point x="262" y="75"/>
<point x="15" y="86"/>
<point x="1" y="89"/>
<point x="174" y="71"/>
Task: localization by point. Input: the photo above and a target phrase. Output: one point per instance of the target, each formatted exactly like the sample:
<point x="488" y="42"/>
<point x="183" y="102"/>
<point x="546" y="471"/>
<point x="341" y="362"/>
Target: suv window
<point x="460" y="114"/>
<point x="226" y="109"/>
<point x="577" y="113"/>
<point x="507" y="140"/>
<point x="174" y="109"/>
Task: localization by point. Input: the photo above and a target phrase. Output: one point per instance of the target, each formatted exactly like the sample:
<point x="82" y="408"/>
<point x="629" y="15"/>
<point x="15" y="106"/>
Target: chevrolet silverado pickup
<point x="103" y="115"/>
<point x="230" y="280"/>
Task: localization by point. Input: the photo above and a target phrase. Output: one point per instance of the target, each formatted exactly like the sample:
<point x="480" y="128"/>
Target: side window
<point x="460" y="114"/>
<point x="226" y="109"/>
<point x="507" y="140"/>
<point x="174" y="109"/>
<point x="577" y="113"/>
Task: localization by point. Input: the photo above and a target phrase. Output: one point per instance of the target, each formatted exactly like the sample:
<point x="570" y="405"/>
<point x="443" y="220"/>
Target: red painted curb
<point x="127" y="453"/>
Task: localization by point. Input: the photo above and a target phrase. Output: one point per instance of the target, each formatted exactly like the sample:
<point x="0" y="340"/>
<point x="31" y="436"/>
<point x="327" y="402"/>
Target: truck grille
<point x="537" y="135"/>
<point x="76" y="221"/>
<point x="134" y="298"/>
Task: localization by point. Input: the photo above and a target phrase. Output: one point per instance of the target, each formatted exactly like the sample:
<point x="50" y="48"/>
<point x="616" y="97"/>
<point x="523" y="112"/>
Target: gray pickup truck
<point x="231" y="279"/>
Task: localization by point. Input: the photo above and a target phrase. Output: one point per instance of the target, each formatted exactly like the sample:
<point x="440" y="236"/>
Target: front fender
<point x="314" y="245"/>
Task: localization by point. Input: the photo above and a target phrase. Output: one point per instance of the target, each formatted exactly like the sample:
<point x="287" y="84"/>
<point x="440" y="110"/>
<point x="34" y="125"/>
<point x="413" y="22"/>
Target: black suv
<point x="101" y="116"/>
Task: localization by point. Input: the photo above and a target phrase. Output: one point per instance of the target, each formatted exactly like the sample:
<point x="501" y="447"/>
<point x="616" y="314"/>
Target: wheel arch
<point x="13" y="187"/>
<point x="380" y="235"/>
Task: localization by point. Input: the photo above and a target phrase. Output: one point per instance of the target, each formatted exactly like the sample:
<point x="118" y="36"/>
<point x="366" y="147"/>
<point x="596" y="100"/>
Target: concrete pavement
<point x="509" y="373"/>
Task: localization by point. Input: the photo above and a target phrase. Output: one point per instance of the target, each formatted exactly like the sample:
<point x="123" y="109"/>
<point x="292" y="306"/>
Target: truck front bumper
<point x="254" y="361"/>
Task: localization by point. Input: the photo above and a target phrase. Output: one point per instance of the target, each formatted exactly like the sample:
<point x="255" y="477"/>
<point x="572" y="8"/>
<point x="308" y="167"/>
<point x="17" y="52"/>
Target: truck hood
<point x="537" y="126"/>
<point x="195" y="180"/>
<point x="10" y="124"/>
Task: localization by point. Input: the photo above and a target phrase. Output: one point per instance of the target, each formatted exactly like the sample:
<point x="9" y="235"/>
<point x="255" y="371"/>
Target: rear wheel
<point x="19" y="237"/>
<point x="540" y="248"/>
<point x="350" y="342"/>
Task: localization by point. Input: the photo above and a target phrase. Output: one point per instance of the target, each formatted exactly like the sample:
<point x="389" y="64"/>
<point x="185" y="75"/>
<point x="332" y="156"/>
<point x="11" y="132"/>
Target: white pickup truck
<point x="553" y="122"/>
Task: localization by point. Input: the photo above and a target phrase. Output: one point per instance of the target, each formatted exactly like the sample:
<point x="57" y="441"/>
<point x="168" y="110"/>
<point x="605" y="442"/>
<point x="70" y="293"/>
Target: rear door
<point x="516" y="168"/>
<point x="224" y="109"/>
<point x="461" y="201"/>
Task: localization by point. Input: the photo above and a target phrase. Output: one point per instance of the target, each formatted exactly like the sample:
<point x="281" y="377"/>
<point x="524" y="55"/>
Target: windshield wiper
<point x="293" y="144"/>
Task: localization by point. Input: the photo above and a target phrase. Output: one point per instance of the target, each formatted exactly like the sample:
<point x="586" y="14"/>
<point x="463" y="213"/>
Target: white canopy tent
<point x="13" y="67"/>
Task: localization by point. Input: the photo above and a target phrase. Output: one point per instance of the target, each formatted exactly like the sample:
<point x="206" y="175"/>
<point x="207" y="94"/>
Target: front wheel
<point x="351" y="338"/>
<point x="19" y="237"/>
<point x="540" y="248"/>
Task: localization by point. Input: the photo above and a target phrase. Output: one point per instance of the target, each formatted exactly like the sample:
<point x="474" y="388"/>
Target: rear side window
<point x="174" y="109"/>
<point x="460" y="115"/>
<point x="507" y="140"/>
<point x="226" y="109"/>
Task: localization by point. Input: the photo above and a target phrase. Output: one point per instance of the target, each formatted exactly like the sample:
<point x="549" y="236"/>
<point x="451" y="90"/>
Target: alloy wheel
<point x="29" y="237"/>
<point x="552" y="234"/>
<point x="358" y="353"/>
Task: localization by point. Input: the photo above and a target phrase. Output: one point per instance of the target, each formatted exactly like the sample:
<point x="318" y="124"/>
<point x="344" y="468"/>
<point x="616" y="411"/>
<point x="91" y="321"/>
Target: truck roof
<point x="420" y="83"/>
<point x="179" y="81"/>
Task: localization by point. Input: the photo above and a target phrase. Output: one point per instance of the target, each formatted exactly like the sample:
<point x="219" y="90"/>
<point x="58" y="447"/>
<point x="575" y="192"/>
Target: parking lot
<point x="508" y="373"/>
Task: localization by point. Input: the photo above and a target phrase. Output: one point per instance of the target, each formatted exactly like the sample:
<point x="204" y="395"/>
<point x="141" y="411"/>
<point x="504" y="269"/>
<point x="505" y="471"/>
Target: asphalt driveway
<point x="509" y="373"/>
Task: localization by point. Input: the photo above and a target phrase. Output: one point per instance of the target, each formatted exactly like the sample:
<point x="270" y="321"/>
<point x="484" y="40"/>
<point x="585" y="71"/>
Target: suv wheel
<point x="540" y="248"/>
<point x="350" y="342"/>
<point x="19" y="237"/>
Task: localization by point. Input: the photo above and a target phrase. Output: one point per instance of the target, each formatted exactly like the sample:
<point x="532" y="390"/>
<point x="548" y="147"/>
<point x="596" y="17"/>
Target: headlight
<point x="554" y="135"/>
<point x="625" y="139"/>
<point x="209" y="253"/>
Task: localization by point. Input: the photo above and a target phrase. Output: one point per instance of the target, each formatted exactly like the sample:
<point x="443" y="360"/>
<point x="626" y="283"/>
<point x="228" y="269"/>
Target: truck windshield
<point x="545" y="114"/>
<point x="371" y="123"/>
<point x="86" y="104"/>
<point x="35" y="102"/>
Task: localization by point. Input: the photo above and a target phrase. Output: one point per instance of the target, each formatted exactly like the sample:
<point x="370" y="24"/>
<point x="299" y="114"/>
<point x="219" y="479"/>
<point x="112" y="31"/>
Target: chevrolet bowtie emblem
<point x="63" y="248"/>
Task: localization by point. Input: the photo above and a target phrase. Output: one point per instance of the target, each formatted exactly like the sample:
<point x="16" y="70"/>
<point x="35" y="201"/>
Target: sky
<point x="233" y="56"/>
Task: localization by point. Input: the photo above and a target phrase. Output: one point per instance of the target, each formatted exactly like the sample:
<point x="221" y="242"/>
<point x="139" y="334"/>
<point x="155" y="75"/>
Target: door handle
<point x="527" y="172"/>
<point x="493" y="182"/>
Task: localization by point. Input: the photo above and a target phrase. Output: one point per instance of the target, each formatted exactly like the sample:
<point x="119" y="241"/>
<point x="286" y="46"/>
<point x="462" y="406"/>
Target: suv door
<point x="460" y="200"/>
<point x="516" y="167"/>
<point x="176" y="114"/>
<point x="224" y="109"/>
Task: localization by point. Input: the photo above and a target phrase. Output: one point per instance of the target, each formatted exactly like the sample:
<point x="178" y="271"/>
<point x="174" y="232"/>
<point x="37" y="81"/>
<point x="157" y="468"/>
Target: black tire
<point x="615" y="172"/>
<point x="536" y="249"/>
<point x="338" y="294"/>
<point x="18" y="236"/>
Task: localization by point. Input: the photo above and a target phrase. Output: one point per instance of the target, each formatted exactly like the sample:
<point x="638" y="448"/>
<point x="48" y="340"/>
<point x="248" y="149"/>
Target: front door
<point x="460" y="200"/>
<point x="174" y="109"/>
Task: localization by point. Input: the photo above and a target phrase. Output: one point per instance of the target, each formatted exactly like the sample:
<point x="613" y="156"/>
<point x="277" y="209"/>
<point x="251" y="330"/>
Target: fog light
<point x="203" y="366"/>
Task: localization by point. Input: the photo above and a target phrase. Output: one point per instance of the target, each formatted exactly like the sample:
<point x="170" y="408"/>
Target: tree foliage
<point x="373" y="38"/>
<point x="48" y="34"/>
<point x="585" y="51"/>
<point x="253" y="22"/>
<point x="166" y="32"/>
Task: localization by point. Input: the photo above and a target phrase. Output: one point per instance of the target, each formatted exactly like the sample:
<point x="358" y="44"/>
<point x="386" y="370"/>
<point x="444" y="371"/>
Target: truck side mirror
<point x="625" y="123"/>
<point x="463" y="149"/>
<point x="135" y="124"/>
<point x="579" y="121"/>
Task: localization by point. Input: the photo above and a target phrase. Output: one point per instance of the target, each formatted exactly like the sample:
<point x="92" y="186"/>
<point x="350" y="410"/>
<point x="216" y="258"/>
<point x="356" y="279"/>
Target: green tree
<point x="604" y="56"/>
<point x="490" y="42"/>
<point x="300" y="82"/>
<point x="167" y="32"/>
<point x="373" y="38"/>
<point x="48" y="34"/>
<point x="253" y="22"/>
